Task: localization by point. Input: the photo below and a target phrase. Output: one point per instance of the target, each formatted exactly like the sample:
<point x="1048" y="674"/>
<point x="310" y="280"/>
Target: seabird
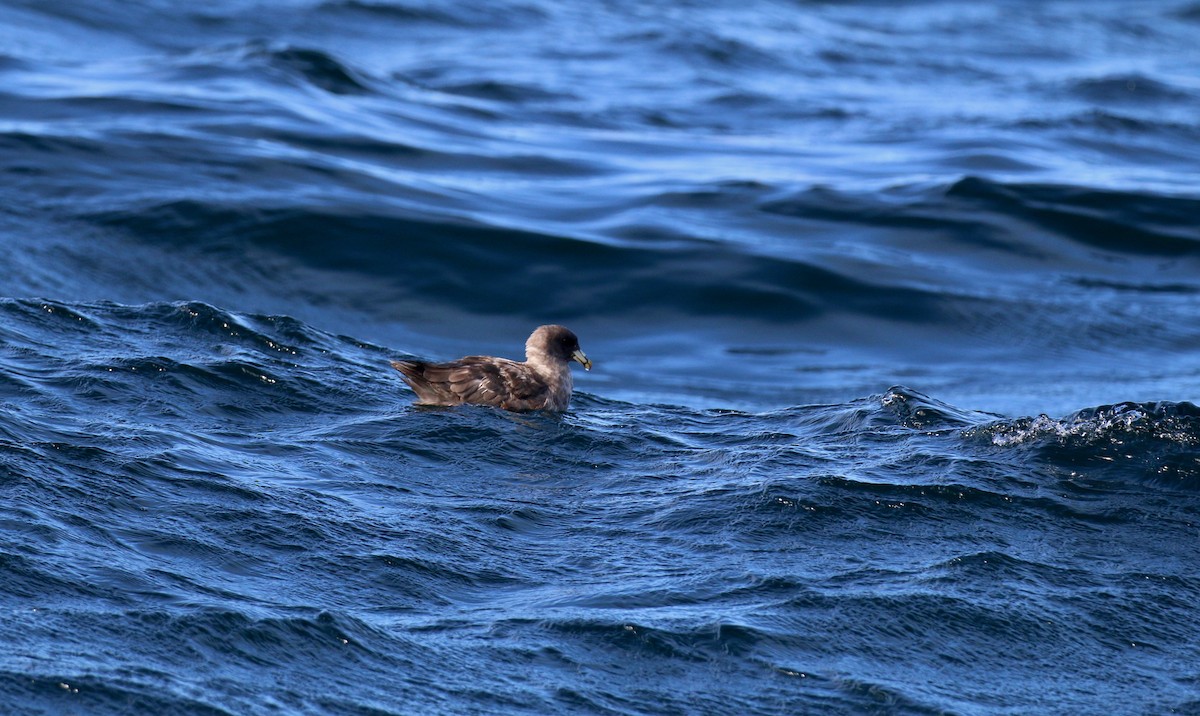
<point x="542" y="382"/>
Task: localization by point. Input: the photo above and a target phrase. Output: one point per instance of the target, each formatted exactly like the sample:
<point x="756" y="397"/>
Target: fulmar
<point x="542" y="382"/>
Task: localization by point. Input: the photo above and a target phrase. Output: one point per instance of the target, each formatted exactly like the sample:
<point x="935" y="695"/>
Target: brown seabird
<point x="542" y="382"/>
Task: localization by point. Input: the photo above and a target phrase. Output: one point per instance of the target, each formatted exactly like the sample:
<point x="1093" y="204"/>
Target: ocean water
<point x="894" y="309"/>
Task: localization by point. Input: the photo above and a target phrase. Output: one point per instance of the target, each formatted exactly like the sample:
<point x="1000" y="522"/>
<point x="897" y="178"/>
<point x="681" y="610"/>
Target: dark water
<point x="894" y="312"/>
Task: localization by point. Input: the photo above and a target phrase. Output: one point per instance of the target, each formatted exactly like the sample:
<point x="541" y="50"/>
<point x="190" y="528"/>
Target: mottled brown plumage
<point x="541" y="382"/>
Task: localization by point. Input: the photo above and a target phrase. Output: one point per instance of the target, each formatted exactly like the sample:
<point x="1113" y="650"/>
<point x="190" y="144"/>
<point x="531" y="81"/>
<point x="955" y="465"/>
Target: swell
<point x="441" y="257"/>
<point x="444" y="262"/>
<point x="1121" y="222"/>
<point x="195" y="679"/>
<point x="986" y="213"/>
<point x="468" y="15"/>
<point x="677" y="252"/>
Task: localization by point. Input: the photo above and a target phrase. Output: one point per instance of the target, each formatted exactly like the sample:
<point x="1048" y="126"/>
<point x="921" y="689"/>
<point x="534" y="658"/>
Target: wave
<point x="60" y="693"/>
<point x="1124" y="222"/>
<point x="1156" y="442"/>
<point x="213" y="636"/>
<point x="1128" y="88"/>
<point x="718" y="647"/>
<point x="468" y="15"/>
<point x="1147" y="443"/>
<point x="442" y="262"/>
<point x="320" y="69"/>
<point x="982" y="213"/>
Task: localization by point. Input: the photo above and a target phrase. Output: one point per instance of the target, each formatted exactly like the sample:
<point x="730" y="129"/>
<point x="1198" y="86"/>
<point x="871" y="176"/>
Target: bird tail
<point x="413" y="373"/>
<point x="409" y="368"/>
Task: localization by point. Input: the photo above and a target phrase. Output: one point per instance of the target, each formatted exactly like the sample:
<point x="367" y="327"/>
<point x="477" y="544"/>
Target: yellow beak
<point x="583" y="359"/>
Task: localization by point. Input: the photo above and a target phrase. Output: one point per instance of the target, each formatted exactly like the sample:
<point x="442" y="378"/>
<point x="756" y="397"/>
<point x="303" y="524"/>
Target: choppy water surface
<point x="894" y="317"/>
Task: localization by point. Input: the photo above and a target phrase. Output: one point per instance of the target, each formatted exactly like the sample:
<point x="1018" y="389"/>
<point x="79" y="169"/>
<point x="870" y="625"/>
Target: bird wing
<point x="479" y="380"/>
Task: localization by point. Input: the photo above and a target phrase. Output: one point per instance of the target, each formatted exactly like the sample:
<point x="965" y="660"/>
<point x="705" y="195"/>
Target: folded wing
<point x="479" y="380"/>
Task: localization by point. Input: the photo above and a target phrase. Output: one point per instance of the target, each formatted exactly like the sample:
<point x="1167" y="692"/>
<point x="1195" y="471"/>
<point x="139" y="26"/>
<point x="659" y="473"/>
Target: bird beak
<point x="583" y="360"/>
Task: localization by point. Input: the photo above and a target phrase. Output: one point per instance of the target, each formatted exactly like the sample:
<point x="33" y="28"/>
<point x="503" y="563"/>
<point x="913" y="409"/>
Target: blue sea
<point x="894" y="310"/>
